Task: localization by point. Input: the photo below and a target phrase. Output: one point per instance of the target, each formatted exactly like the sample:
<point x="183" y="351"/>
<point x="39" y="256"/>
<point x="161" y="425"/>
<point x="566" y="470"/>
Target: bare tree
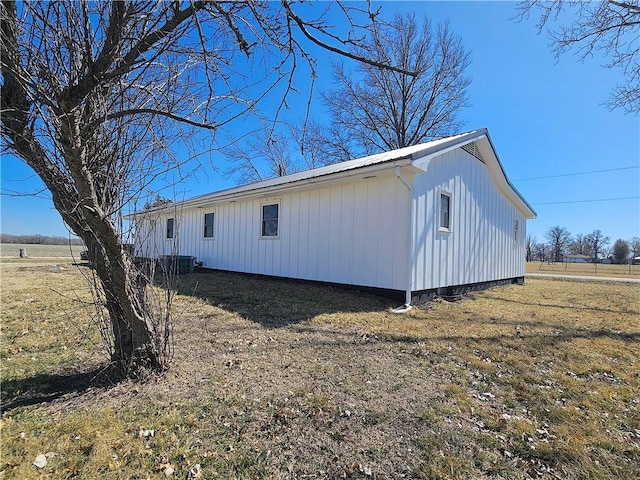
<point x="530" y="247"/>
<point x="265" y="151"/>
<point x="38" y="239"/>
<point x="311" y="148"/>
<point x="597" y="243"/>
<point x="559" y="239"/>
<point x="579" y="245"/>
<point x="96" y="95"/>
<point x="611" y="27"/>
<point x="381" y="109"/>
<point x="541" y="251"/>
<point x="634" y="244"/>
<point x="268" y="154"/>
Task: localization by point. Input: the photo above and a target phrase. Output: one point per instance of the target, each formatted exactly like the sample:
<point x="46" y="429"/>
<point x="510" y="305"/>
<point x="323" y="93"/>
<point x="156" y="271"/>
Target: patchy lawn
<point x="279" y="380"/>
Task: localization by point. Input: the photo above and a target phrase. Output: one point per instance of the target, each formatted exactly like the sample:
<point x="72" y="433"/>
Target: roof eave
<point x="258" y="190"/>
<point x="531" y="213"/>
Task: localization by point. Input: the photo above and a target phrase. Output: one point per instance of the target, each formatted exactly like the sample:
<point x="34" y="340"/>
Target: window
<point x="270" y="220"/>
<point x="445" y="211"/>
<point x="208" y="225"/>
<point x="170" y="222"/>
<point x="516" y="230"/>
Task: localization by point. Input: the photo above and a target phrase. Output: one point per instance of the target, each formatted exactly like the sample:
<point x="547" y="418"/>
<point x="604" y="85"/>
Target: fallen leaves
<point x="356" y="395"/>
<point x="145" y="433"/>
<point x="168" y="470"/>
<point x="40" y="461"/>
<point x="195" y="472"/>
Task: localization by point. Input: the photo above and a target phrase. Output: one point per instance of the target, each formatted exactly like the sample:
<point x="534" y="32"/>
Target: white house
<point x="575" y="258"/>
<point x="435" y="218"/>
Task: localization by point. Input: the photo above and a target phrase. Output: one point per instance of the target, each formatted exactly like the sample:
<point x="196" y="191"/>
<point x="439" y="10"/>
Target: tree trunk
<point x="79" y="196"/>
<point x="136" y="342"/>
<point x="131" y="319"/>
<point x="135" y="345"/>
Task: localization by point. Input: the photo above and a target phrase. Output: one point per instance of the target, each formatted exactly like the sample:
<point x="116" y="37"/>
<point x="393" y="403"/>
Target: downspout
<point x="407" y="304"/>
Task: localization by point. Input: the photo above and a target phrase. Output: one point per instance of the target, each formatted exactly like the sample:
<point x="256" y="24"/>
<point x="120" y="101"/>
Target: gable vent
<point x="472" y="148"/>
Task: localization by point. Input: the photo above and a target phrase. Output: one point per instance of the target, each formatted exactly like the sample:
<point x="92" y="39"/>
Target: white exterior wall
<point x="480" y="245"/>
<point x="351" y="233"/>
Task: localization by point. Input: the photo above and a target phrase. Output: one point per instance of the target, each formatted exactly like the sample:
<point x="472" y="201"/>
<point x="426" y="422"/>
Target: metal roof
<point x="409" y="154"/>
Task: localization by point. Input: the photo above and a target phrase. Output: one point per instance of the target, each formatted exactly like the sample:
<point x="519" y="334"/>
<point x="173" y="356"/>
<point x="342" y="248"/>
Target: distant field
<point x="12" y="250"/>
<point x="594" y="269"/>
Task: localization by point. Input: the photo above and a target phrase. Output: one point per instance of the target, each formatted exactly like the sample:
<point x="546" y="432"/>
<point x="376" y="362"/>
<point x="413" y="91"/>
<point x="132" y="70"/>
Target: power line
<point x="577" y="173"/>
<point x="588" y="201"/>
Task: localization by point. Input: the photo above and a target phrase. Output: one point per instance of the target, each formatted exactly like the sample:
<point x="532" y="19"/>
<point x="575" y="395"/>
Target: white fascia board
<point x="495" y="166"/>
<point x="424" y="157"/>
<point x="305" y="182"/>
<point x="481" y="136"/>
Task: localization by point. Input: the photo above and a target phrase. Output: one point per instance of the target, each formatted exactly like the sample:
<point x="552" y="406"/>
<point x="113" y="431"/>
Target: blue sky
<point x="544" y="116"/>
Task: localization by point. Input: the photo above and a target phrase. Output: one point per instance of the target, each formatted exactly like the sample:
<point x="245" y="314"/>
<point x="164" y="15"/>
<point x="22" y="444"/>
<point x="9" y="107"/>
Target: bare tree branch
<point x="345" y="53"/>
<point x="383" y="109"/>
<point x="101" y="98"/>
<point x="610" y="27"/>
<point x="156" y="112"/>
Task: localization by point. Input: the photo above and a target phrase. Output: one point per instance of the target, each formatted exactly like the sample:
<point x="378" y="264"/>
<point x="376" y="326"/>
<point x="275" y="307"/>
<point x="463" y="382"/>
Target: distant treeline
<point x="38" y="239"/>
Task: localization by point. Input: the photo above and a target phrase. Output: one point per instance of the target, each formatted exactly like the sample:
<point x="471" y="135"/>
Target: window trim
<point x="173" y="228"/>
<point x="267" y="203"/>
<point x="213" y="225"/>
<point x="516" y="231"/>
<point x="444" y="193"/>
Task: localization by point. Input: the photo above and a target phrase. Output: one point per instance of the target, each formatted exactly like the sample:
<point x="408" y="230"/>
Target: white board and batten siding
<point x="480" y="245"/>
<point x="350" y="233"/>
<point x="357" y="223"/>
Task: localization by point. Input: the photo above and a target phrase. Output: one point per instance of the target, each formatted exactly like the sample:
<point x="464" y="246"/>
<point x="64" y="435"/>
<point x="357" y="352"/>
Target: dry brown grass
<point x="280" y="380"/>
<point x="591" y="269"/>
<point x="10" y="251"/>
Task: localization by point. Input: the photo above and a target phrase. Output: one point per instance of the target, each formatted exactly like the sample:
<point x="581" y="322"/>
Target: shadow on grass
<point x="46" y="387"/>
<point x="274" y="302"/>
